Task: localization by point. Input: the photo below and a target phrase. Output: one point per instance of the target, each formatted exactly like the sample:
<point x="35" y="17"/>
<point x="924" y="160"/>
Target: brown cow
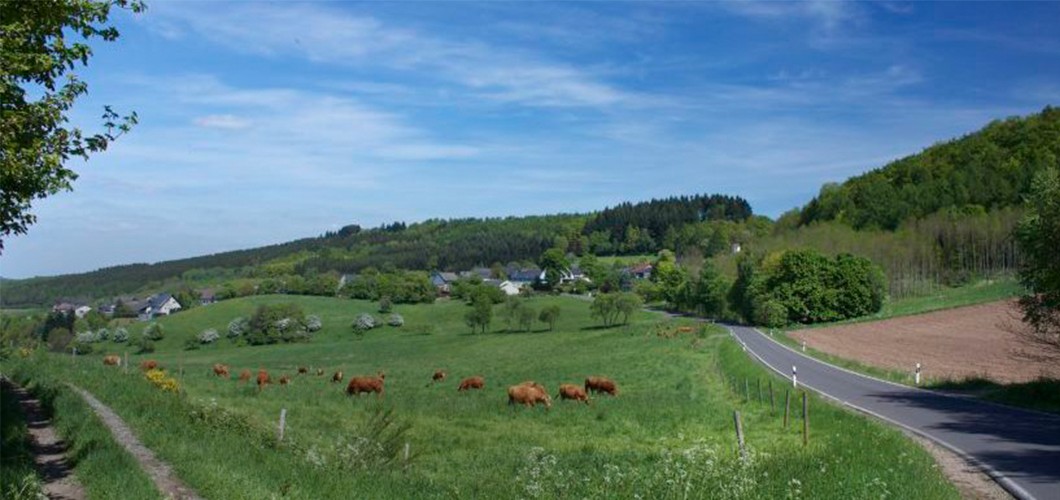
<point x="358" y="385"/>
<point x="148" y="364"/>
<point x="439" y="376"/>
<point x="601" y="384"/>
<point x="285" y="379"/>
<point x="112" y="360"/>
<point x="476" y="382"/>
<point x="244" y="376"/>
<point x="571" y="391"/>
<point x="263" y="378"/>
<point x="528" y="395"/>
<point x="337" y="377"/>
<point x="531" y="383"/>
<point x="303" y="370"/>
<point x="220" y="370"/>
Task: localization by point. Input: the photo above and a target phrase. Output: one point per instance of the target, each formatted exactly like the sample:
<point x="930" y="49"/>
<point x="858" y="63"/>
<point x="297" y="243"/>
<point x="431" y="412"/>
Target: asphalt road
<point x="1020" y="449"/>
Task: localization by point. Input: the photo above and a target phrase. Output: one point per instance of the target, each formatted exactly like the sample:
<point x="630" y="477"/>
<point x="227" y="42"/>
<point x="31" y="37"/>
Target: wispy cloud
<point x="824" y="14"/>
<point x="231" y="122"/>
<point x="325" y="35"/>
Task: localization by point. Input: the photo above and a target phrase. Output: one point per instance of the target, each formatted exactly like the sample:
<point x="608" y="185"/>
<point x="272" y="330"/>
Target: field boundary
<point x="1014" y="489"/>
<point x="160" y="473"/>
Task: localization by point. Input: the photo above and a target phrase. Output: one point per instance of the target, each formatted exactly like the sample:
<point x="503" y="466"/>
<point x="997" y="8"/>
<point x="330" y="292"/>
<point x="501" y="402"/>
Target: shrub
<point x="120" y="334"/>
<point x="363" y="323"/>
<point x="144" y="345"/>
<point x="163" y="382"/>
<point x="208" y="336"/>
<point x="276" y="323"/>
<point x="238" y="327"/>
<point x="771" y="313"/>
<point x="102" y="334"/>
<point x="395" y="320"/>
<point x="85" y="338"/>
<point x="154" y="331"/>
<point x="385" y="304"/>
<point x="313" y="323"/>
<point x="191" y="344"/>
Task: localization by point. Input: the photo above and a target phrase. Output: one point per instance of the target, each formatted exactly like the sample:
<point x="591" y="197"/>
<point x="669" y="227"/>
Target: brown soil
<point x="49" y="451"/>
<point x="986" y="341"/>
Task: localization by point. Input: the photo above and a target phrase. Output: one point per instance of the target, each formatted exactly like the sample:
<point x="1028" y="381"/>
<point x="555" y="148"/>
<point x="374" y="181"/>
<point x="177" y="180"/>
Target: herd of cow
<point x="528" y="393"/>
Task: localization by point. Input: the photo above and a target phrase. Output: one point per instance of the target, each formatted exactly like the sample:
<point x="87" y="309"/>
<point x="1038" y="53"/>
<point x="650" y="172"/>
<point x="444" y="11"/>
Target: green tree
<point x="554" y="262"/>
<point x="526" y="317"/>
<point x="1038" y="236"/>
<point x="37" y="91"/>
<point x="626" y="304"/>
<point x="710" y="291"/>
<point x="549" y="314"/>
<point x="604" y="308"/>
<point x="481" y="313"/>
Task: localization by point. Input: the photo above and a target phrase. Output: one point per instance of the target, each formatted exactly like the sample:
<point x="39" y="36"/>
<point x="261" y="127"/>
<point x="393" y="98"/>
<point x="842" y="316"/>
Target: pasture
<point x="668" y="434"/>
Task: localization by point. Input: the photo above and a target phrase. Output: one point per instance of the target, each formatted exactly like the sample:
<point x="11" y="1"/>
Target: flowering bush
<point x="154" y="331"/>
<point x="85" y="337"/>
<point x="363" y="323"/>
<point x="208" y="336"/>
<point x="395" y="320"/>
<point x="237" y="327"/>
<point x="160" y="380"/>
<point x="120" y="334"/>
<point x="312" y="323"/>
<point x="102" y="334"/>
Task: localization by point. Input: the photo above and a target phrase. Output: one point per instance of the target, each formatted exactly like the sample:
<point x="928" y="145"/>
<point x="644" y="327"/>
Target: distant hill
<point x="432" y="244"/>
<point x="988" y="169"/>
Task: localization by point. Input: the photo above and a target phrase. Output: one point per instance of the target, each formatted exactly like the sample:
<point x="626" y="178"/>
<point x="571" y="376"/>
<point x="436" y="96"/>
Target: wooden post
<point x="126" y="364"/>
<point x="283" y="422"/>
<point x="772" y="399"/>
<point x="746" y="390"/>
<point x="805" y="420"/>
<point x="758" y="389"/>
<point x="739" y="434"/>
<point x="787" y="407"/>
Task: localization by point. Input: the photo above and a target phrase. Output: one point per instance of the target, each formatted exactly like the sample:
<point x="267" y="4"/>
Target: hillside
<point x="988" y="169"/>
<point x="432" y="244"/>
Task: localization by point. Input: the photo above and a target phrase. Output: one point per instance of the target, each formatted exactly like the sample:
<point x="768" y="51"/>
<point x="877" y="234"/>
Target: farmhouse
<point x="162" y="304"/>
<point x="505" y="286"/>
<point x="526" y="276"/>
<point x="207" y="296"/>
<point x="641" y="271"/>
<point x="443" y="281"/>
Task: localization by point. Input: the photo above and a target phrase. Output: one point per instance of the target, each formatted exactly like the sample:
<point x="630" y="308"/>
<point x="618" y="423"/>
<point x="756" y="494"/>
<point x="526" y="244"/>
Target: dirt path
<point x="49" y="451"/>
<point x="161" y="473"/>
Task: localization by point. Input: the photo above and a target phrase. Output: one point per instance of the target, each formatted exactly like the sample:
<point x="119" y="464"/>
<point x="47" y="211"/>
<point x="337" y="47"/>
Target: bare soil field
<point x="974" y="341"/>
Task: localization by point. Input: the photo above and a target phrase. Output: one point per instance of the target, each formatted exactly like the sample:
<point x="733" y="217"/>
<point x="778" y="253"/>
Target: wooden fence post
<point x="805" y="420"/>
<point x="739" y="434"/>
<point x="126" y="364"/>
<point x="283" y="422"/>
<point x="787" y="406"/>
<point x="758" y="389"/>
<point x="772" y="399"/>
<point x="746" y="390"/>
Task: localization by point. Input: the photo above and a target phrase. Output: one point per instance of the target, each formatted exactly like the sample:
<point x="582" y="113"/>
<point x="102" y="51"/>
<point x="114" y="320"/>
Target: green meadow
<point x="668" y="434"/>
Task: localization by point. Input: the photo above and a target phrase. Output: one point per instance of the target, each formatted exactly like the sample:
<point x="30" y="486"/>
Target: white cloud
<point x="231" y="122"/>
<point x="327" y="35"/>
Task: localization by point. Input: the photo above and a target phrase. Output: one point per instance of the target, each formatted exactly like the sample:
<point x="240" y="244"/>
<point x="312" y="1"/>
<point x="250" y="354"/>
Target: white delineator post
<point x="918" y="374"/>
<point x="283" y="422"/>
<point x="803" y="346"/>
<point x="794" y="377"/>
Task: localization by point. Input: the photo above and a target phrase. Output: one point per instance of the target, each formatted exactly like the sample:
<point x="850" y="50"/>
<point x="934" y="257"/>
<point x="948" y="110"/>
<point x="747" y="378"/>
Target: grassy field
<point x="669" y="434"/>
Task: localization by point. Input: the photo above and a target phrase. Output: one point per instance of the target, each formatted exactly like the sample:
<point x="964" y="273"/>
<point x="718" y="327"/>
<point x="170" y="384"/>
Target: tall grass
<point x="18" y="479"/>
<point x="667" y="435"/>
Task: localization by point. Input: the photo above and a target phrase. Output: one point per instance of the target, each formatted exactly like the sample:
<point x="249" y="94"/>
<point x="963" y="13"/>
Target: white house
<point x="81" y="311"/>
<point x="162" y="304"/>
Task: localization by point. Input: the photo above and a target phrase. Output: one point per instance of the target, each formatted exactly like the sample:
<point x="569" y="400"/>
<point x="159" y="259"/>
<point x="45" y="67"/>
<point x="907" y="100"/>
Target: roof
<point x="156" y="301"/>
<point x="525" y="275"/>
<point x="449" y="277"/>
<point x="207" y="293"/>
<point x="640" y="268"/>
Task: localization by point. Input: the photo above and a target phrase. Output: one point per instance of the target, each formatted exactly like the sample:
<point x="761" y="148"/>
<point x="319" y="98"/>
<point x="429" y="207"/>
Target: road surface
<point x="1018" y="448"/>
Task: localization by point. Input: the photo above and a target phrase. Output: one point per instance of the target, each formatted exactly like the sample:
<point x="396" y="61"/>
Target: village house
<point x="505" y="286"/>
<point x="162" y="304"/>
<point x="526" y="276"/>
<point x="443" y="281"/>
<point x="207" y="296"/>
<point x="641" y="271"/>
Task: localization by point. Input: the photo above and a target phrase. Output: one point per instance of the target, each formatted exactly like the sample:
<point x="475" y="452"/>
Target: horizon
<point x="263" y="123"/>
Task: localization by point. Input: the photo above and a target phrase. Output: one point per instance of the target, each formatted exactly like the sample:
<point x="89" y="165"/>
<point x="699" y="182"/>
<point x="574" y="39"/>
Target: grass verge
<point x="18" y="478"/>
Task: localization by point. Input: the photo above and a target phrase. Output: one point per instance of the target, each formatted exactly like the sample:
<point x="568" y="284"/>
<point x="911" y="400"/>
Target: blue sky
<point x="266" y="122"/>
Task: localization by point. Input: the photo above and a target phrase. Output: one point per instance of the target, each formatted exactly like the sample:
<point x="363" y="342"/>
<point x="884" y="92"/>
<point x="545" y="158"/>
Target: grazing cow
<point x="439" y="376"/>
<point x="476" y="382"/>
<point x="112" y="360"/>
<point x="303" y="370"/>
<point x="358" y="385"/>
<point x="571" y="391"/>
<point x="244" y="376"/>
<point x="601" y="384"/>
<point x="285" y="379"/>
<point x="528" y="395"/>
<point x="531" y="383"/>
<point x="148" y="364"/>
<point x="320" y="372"/>
<point x="337" y="377"/>
<point x="263" y="379"/>
<point x="220" y="370"/>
